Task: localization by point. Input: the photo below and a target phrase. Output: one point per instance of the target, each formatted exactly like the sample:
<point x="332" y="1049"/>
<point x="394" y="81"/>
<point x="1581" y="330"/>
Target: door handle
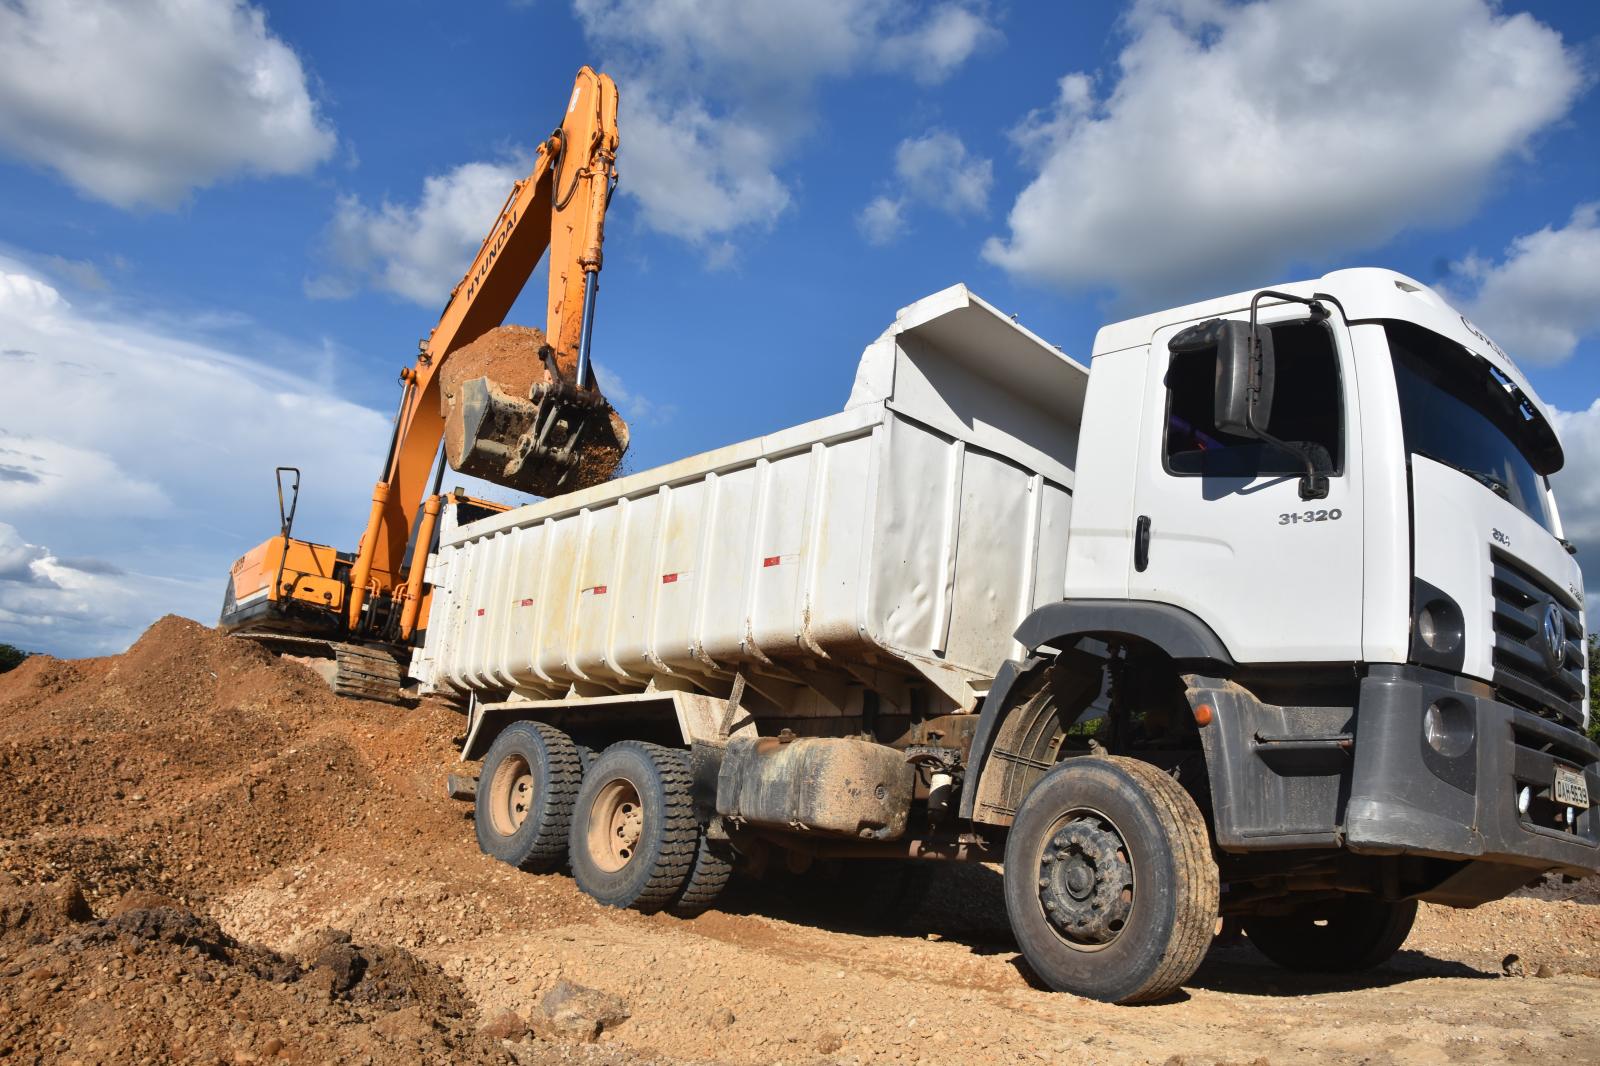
<point x="1141" y="543"/>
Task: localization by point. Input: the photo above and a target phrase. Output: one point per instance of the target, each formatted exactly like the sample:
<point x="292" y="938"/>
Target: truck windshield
<point x="1456" y="409"/>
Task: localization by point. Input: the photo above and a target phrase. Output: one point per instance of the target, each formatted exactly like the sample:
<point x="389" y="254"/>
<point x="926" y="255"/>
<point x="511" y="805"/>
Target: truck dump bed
<point x="882" y="554"/>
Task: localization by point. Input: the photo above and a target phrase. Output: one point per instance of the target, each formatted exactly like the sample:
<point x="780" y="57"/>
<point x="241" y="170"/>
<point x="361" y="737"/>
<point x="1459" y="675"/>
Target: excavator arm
<point x="561" y="206"/>
<point x="290" y="586"/>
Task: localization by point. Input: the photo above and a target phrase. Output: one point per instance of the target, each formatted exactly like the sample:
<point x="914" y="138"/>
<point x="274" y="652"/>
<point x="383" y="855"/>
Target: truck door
<point x="1220" y="527"/>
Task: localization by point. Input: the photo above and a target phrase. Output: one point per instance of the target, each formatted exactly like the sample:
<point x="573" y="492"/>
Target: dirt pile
<point x="142" y="788"/>
<point x="160" y="982"/>
<point x="205" y="856"/>
<point x="183" y="766"/>
<point x="509" y="356"/>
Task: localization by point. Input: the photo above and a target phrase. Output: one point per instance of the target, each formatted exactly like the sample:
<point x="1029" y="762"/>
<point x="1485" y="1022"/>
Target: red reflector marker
<point x="772" y="560"/>
<point x="480" y="612"/>
<point x="668" y="579"/>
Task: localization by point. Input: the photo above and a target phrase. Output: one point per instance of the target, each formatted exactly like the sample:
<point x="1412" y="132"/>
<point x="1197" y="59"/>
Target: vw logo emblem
<point x="1555" y="636"/>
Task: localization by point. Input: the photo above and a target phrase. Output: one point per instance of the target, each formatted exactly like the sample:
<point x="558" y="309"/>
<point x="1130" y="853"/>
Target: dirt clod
<point x="574" y="1012"/>
<point x="507" y="1025"/>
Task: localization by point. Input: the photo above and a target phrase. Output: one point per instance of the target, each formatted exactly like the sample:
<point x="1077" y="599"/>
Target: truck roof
<point x="1364" y="294"/>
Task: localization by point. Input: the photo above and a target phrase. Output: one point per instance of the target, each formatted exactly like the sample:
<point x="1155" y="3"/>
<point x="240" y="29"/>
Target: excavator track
<point x="368" y="674"/>
<point x="358" y="671"/>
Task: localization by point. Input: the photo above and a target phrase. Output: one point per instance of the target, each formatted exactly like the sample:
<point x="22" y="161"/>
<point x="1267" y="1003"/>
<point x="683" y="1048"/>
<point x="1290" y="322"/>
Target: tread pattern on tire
<point x="560" y="799"/>
<point x="712" y="869"/>
<point x="680" y="833"/>
<point x="1196" y="878"/>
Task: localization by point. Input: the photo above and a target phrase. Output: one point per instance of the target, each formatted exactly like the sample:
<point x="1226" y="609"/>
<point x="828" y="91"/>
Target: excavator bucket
<point x="513" y="416"/>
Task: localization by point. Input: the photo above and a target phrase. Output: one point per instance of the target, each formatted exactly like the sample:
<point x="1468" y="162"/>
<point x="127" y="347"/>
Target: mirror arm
<point x="1314" y="483"/>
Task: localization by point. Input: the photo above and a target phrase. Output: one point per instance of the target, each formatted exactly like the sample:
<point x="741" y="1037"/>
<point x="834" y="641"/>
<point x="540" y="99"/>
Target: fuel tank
<point x="841" y="786"/>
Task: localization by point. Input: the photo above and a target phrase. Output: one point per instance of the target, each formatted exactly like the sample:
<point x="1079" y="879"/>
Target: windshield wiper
<point x="1489" y="481"/>
<point x="1494" y="484"/>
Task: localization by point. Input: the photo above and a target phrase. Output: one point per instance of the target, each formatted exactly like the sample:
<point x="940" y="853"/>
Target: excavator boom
<point x="558" y="435"/>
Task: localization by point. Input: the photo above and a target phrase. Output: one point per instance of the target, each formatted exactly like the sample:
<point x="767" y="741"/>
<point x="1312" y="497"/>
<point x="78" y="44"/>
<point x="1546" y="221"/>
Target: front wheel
<point x="1109" y="880"/>
<point x="1341" y="936"/>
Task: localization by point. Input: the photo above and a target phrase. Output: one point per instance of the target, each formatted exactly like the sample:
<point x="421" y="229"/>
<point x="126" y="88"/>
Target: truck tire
<point x="1340" y="936"/>
<point x="634" y="833"/>
<point x="712" y="869"/>
<point x="1110" y="884"/>
<point x="525" y="796"/>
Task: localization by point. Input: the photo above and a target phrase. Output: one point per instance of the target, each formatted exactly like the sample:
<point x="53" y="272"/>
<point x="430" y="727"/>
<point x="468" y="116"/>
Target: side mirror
<point x="1243" y="398"/>
<point x="1242" y="402"/>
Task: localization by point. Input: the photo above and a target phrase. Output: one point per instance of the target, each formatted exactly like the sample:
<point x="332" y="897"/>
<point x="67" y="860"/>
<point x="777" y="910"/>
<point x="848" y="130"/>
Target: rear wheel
<point x="1109" y="881"/>
<point x="1339" y="936"/>
<point x="712" y="869"/>
<point x="525" y="796"/>
<point x="634" y="835"/>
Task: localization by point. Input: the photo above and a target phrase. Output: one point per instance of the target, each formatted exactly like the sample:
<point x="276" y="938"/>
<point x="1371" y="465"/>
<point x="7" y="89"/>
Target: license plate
<point x="1571" y="789"/>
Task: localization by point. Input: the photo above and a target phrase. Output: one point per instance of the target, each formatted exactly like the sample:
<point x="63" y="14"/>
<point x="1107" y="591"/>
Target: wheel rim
<point x="616" y="822"/>
<point x="511" y="795"/>
<point x="1086" y="881"/>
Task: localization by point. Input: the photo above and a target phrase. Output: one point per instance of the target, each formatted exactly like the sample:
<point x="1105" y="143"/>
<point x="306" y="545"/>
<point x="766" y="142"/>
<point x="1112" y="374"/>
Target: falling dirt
<point x="206" y="857"/>
<point x="509" y="356"/>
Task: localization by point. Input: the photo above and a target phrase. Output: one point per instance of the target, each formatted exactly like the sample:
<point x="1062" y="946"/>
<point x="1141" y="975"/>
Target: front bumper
<point x="1409" y="797"/>
<point x="1361" y="774"/>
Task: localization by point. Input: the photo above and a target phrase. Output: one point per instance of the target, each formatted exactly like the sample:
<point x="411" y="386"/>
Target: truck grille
<point x="1526" y="672"/>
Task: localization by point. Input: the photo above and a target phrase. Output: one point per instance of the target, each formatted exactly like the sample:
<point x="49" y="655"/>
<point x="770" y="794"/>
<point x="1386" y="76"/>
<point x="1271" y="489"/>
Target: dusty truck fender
<point x="1181" y="634"/>
<point x="1004" y="681"/>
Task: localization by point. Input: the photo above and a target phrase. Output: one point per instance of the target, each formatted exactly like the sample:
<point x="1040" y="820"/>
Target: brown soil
<point x="509" y="357"/>
<point x="206" y="857"/>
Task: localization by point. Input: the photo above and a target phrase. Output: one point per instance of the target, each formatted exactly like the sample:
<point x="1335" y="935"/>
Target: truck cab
<point x="1365" y="596"/>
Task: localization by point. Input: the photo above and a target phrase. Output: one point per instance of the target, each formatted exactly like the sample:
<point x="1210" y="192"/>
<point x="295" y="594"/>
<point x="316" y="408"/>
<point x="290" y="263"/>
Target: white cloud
<point x="934" y="50"/>
<point x="717" y="95"/>
<point x="638" y="409"/>
<point x="937" y="169"/>
<point x="1238" y="139"/>
<point x="1577" y="489"/>
<point x="80" y="272"/>
<point x="137" y="104"/>
<point x="80" y="606"/>
<point x="416" y="250"/>
<point x="1543" y="296"/>
<point x="127" y="446"/>
<point x="18" y="558"/>
<point x="695" y="174"/>
<point x="882" y="221"/>
<point x="934" y="169"/>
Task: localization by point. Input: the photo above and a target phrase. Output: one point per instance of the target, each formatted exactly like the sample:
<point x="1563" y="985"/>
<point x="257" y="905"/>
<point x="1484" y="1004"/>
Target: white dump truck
<point x="1266" y="613"/>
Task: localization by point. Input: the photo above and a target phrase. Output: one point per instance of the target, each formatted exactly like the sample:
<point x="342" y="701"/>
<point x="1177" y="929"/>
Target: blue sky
<point x="224" y="226"/>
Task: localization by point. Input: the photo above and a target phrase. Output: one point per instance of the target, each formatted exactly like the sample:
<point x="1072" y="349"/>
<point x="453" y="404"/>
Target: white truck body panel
<point x="906" y="536"/>
<point x="1230" y="550"/>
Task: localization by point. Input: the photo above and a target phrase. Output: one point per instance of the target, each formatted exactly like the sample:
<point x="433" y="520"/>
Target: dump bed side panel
<point x="903" y="538"/>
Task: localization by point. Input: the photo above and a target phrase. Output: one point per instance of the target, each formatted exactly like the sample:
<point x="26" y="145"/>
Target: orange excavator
<point x="534" y="421"/>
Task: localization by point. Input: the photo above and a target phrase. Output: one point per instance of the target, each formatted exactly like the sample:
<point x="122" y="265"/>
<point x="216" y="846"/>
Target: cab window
<point x="1307" y="407"/>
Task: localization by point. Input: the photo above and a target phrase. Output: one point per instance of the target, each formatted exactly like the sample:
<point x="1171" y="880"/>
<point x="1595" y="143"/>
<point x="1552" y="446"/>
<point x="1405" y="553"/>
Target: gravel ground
<point x="206" y="857"/>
